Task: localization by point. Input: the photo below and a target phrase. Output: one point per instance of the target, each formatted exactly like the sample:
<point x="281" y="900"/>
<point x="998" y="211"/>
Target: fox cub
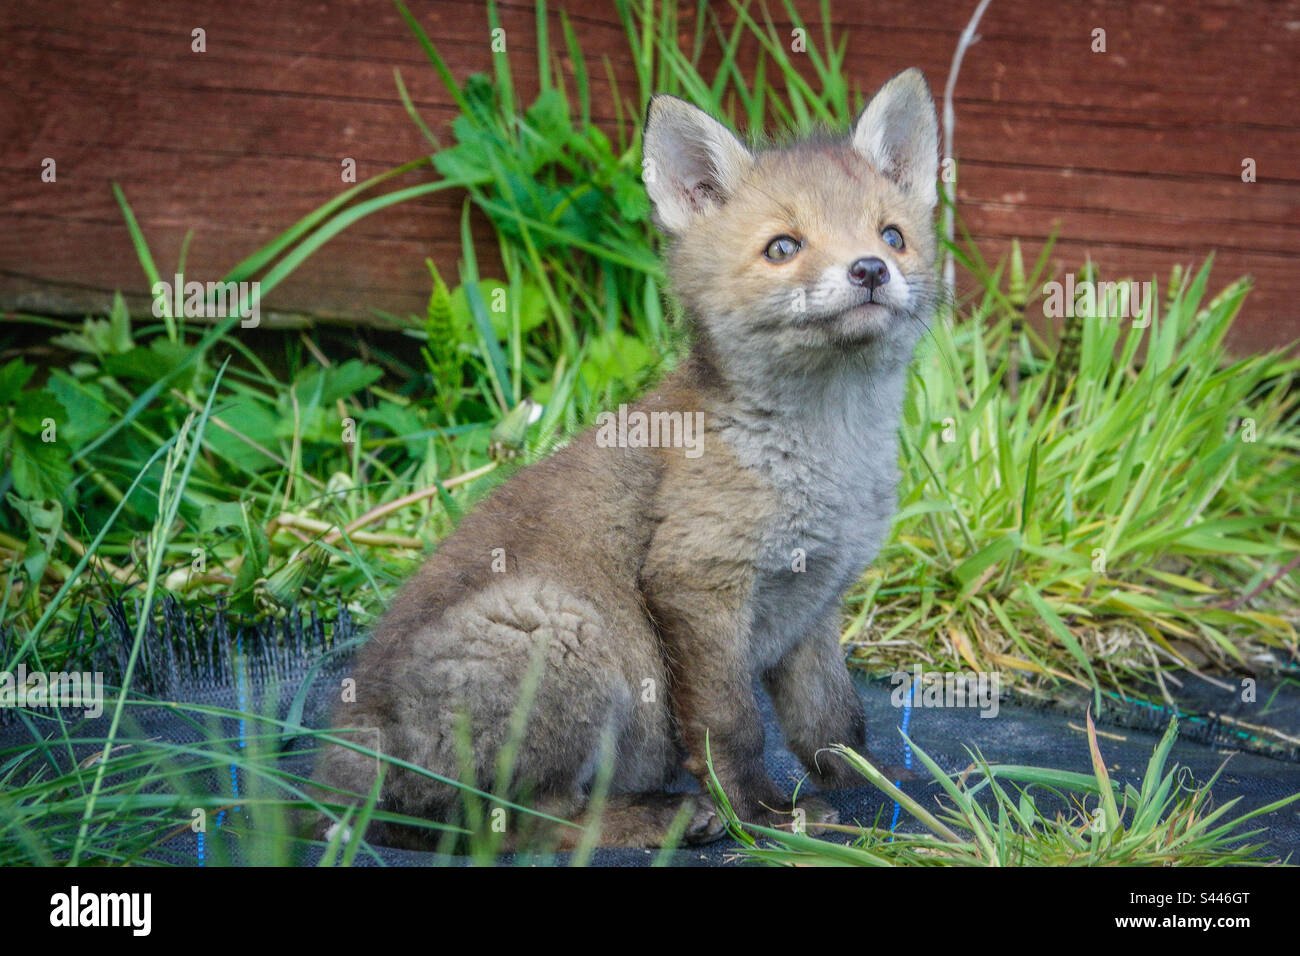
<point x="639" y="588"/>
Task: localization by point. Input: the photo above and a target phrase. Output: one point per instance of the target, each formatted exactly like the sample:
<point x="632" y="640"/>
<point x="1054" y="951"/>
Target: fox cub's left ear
<point x="691" y="162"/>
<point x="898" y="133"/>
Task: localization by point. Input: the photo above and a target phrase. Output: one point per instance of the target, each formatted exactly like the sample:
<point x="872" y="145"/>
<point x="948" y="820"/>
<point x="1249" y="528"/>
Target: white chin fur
<point x="334" y="829"/>
<point x="834" y="293"/>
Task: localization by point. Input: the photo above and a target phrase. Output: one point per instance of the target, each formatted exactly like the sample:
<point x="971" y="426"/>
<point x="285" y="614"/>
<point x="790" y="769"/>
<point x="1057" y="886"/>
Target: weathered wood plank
<point x="1133" y="156"/>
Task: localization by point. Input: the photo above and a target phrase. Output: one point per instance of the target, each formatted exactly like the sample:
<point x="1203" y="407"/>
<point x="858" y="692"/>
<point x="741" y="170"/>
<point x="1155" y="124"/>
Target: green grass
<point x="1003" y="815"/>
<point x="315" y="472"/>
<point x="1108" y="518"/>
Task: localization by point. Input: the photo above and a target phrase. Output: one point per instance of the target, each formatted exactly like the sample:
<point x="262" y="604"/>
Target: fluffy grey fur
<point x="645" y="589"/>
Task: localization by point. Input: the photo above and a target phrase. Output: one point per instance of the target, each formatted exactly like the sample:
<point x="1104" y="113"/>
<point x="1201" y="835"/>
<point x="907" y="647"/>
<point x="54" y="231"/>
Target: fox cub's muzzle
<point x="869" y="272"/>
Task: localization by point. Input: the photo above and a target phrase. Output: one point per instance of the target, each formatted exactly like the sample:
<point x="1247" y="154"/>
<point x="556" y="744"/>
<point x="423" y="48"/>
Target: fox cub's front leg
<point x="697" y="588"/>
<point x="818" y="706"/>
<point x="713" y="701"/>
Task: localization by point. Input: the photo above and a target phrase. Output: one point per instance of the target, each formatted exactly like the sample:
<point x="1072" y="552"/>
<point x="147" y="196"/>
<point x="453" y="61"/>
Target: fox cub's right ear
<point x="690" y="162"/>
<point x="898" y="133"/>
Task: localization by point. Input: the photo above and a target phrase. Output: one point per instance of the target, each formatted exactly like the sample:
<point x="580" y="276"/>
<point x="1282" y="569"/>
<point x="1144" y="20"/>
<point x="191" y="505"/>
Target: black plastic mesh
<point x="292" y="669"/>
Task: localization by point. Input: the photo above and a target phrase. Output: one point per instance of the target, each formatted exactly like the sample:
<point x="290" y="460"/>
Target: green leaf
<point x="467" y="161"/>
<point x="482" y="317"/>
<point x="1000" y="549"/>
<point x="257" y="551"/>
<point x="88" y="410"/>
<point x="399" y="421"/>
<point x="36" y="408"/>
<point x="495" y="295"/>
<point x="630" y="198"/>
<point x="219" y="515"/>
<point x="13" y="376"/>
<point x="40" y="469"/>
<point x="548" y="119"/>
<point x="615" y="357"/>
<point x="149" y="364"/>
<point x="255" y="422"/>
<point x="44" y="519"/>
<point x="99" y="337"/>
<point x="327" y="385"/>
<point x="1104" y="784"/>
<point x="1057" y="627"/>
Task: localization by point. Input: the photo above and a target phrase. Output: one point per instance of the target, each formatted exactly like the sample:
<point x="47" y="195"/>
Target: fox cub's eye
<point x="782" y="248"/>
<point x="893" y="238"/>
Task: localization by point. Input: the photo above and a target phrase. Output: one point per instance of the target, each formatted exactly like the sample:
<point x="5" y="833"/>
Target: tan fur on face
<point x="831" y="199"/>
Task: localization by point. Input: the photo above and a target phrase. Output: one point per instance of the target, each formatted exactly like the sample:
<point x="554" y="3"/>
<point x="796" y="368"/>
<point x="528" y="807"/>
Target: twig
<point x="121" y="575"/>
<point x="291" y="521"/>
<point x="13" y="550"/>
<point x="968" y="38"/>
<point x="1262" y="729"/>
<point x="1238" y="602"/>
<point x="379" y="511"/>
<point x="353" y="529"/>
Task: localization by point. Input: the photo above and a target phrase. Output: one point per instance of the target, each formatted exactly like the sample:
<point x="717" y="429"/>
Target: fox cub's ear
<point x="691" y="163"/>
<point x="898" y="133"/>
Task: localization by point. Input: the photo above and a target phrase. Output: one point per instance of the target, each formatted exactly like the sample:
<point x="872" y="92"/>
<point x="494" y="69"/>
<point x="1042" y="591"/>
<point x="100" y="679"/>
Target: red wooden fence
<point x="1133" y="155"/>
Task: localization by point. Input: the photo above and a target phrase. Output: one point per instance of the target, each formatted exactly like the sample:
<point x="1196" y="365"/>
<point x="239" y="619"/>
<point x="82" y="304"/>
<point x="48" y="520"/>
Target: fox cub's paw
<point x="810" y="816"/>
<point x="705" y="825"/>
<point x="830" y="771"/>
<point x="650" y="819"/>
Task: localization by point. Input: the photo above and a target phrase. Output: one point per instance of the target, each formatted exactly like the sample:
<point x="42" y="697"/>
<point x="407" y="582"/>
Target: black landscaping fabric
<point x="293" y="668"/>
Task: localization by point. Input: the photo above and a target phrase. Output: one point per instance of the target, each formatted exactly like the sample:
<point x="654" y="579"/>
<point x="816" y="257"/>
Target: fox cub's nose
<point x="870" y="272"/>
